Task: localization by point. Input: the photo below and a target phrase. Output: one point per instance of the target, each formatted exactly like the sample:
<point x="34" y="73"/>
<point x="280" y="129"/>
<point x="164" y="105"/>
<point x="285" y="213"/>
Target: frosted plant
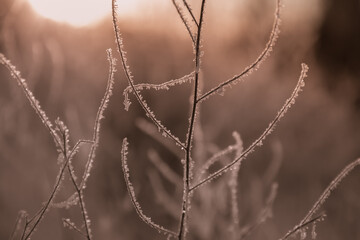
<point x="61" y="136"/>
<point x="133" y="196"/>
<point x="309" y="218"/>
<point x="194" y="28"/>
<point x="191" y="149"/>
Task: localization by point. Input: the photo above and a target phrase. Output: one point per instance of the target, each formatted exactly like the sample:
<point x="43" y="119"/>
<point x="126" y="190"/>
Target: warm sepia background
<point x="66" y="68"/>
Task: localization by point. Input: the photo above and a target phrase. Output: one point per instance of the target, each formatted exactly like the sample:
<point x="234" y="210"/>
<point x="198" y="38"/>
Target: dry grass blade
<point x="265" y="213"/>
<point x="22" y="215"/>
<point x="219" y="155"/>
<point x="233" y="184"/>
<point x="216" y="157"/>
<point x="151" y="130"/>
<point x="162" y="197"/>
<point x="163" y="168"/>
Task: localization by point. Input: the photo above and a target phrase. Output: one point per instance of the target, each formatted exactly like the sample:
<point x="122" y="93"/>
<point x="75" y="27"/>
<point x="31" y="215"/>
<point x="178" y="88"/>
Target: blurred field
<point x="66" y="69"/>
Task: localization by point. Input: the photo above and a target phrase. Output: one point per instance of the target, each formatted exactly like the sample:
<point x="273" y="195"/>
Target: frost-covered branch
<point x="256" y="64"/>
<point x="131" y="191"/>
<point x="258" y="142"/>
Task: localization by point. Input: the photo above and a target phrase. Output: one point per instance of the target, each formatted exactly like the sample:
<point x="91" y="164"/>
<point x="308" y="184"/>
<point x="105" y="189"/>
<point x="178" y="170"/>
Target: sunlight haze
<point x="80" y="12"/>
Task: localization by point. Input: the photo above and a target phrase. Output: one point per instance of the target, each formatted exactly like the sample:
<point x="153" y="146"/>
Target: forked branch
<point x="191" y="12"/>
<point x="323" y="197"/>
<point x="258" y="142"/>
<point x="304" y="225"/>
<point x="60" y="134"/>
<point x="237" y="147"/>
<point x="73" y="199"/>
<point x="180" y="11"/>
<point x="33" y="101"/>
<point x="190" y="132"/>
<point x="160" y="86"/>
<point x="255" y="65"/>
<point x="68" y="223"/>
<point x="129" y="78"/>
<point x="99" y="116"/>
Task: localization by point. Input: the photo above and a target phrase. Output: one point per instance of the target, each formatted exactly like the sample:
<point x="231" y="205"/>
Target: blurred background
<point x="64" y="63"/>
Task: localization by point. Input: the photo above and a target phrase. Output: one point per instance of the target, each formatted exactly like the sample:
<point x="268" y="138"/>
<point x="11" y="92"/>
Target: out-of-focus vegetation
<point x="66" y="68"/>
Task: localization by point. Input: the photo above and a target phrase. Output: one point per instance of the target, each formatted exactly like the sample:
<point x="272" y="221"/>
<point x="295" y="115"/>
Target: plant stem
<point x="187" y="174"/>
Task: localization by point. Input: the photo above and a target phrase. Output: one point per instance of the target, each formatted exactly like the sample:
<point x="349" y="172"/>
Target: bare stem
<point x="191" y="12"/>
<point x="187" y="173"/>
<point x="99" y="116"/>
<point x="301" y="226"/>
<point x="268" y="130"/>
<point x="80" y="194"/>
<point x="184" y="20"/>
<point x="129" y="78"/>
<point x="71" y="225"/>
<point x="132" y="195"/>
<point x="254" y="65"/>
<point x="48" y="202"/>
<point x="324" y="196"/>
<point x="29" y="95"/>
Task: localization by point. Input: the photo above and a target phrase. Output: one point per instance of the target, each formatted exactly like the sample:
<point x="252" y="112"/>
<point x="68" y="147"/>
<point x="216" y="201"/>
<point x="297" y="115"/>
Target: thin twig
<point x="301" y="226"/>
<point x="162" y="86"/>
<point x="96" y="132"/>
<point x="162" y="196"/>
<point x="86" y="219"/>
<point x="29" y="95"/>
<point x="324" y="196"/>
<point x="41" y="213"/>
<point x="264" y="214"/>
<point x="48" y="202"/>
<point x="129" y="78"/>
<point x="268" y="130"/>
<point x="185" y="21"/>
<point x="163" y="168"/>
<point x="131" y="191"/>
<point x="253" y="66"/>
<point x="151" y="130"/>
<point x="233" y="184"/>
<point x="99" y="116"/>
<point x="191" y="12"/>
<point x="72" y="200"/>
<point x="22" y="215"/>
<point x="213" y="159"/>
<point x="71" y="225"/>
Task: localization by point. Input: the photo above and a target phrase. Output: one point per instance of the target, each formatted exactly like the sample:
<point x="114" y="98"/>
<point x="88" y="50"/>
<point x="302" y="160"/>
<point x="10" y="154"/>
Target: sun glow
<point x="80" y="12"/>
